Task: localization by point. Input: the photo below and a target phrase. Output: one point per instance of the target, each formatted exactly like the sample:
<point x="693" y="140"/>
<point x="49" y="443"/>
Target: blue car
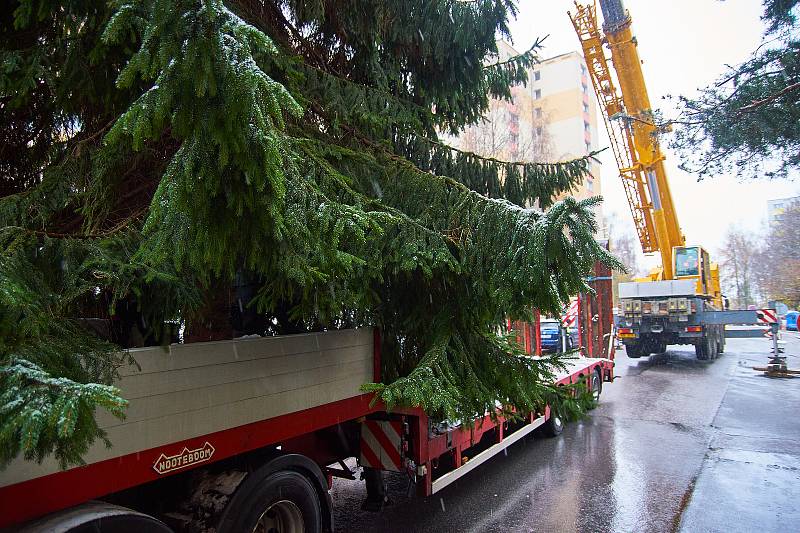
<point x="791" y="320"/>
<point x="551" y="336"/>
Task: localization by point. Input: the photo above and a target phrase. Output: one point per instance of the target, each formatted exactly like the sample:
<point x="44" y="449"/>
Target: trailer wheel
<point x="98" y="517"/>
<point x="284" y="502"/>
<point x="553" y="427"/>
<point x="597" y="385"/>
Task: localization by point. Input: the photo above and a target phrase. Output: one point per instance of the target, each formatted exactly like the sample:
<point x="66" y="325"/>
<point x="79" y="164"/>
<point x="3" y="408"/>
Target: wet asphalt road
<point x="675" y="445"/>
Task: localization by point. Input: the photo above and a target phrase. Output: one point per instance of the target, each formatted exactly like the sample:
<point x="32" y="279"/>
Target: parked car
<point x="552" y="332"/>
<point x="791" y="320"/>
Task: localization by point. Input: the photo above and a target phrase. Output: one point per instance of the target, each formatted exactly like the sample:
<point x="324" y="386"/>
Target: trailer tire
<point x="122" y="524"/>
<point x="285" y="500"/>
<point x="596" y="385"/>
<point x="97" y="517"/>
<point x="553" y="427"/>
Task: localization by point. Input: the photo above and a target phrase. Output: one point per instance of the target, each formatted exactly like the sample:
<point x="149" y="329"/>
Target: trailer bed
<point x="430" y="445"/>
<point x="199" y="403"/>
<point x="196" y="404"/>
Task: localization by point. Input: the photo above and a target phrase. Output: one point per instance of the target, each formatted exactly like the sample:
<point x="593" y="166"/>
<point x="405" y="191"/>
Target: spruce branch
<point x="526" y="58"/>
<point x="770" y="98"/>
<point x="42" y="415"/>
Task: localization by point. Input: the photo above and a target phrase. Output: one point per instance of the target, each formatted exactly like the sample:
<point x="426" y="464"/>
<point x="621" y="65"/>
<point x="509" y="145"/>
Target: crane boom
<point x="633" y="133"/>
<point x="680" y="302"/>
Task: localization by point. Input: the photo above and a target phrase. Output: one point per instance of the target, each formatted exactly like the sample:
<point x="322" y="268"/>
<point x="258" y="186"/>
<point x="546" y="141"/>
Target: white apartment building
<point x="562" y="95"/>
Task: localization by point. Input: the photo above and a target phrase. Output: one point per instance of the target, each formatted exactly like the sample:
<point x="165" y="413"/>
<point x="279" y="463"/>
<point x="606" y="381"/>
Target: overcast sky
<point x="685" y="45"/>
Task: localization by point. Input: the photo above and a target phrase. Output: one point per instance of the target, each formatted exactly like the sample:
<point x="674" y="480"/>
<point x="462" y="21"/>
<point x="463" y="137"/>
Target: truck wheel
<point x="284" y="502"/>
<point x="634" y="351"/>
<point x="703" y="350"/>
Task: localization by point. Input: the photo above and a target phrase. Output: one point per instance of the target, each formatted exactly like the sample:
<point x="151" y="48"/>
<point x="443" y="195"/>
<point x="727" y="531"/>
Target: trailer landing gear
<point x="377" y="498"/>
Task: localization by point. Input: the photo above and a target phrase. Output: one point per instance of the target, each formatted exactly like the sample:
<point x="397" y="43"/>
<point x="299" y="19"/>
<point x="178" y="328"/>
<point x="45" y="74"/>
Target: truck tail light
<point x="626" y="333"/>
<point x="694" y="329"/>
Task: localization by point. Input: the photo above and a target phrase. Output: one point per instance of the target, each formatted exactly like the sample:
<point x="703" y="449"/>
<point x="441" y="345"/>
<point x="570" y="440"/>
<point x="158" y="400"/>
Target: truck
<point x="660" y="313"/>
<point x="248" y="434"/>
<point x="679" y="302"/>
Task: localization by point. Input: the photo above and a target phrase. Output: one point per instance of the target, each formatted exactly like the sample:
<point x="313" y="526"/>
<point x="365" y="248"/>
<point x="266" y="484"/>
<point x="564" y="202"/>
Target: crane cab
<point x="692" y="262"/>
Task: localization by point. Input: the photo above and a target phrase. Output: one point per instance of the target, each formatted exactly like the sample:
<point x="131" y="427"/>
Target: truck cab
<point x="693" y="263"/>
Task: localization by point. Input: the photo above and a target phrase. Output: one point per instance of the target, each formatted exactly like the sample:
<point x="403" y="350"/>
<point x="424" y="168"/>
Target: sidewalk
<point x="750" y="478"/>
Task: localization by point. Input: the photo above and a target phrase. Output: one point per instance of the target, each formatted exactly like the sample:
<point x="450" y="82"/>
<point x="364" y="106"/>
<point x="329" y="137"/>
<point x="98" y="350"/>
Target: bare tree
<point x="781" y="258"/>
<point x="624" y="245"/>
<point x="739" y="267"/>
<point x="513" y="131"/>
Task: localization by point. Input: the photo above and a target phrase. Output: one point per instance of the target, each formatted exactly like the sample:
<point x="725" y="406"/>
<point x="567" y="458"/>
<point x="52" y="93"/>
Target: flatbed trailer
<point x="222" y="435"/>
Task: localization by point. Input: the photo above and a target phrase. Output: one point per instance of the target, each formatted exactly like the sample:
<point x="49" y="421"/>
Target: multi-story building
<point x="551" y="118"/>
<point x="562" y="97"/>
<point x="776" y="208"/>
<point x="507" y="131"/>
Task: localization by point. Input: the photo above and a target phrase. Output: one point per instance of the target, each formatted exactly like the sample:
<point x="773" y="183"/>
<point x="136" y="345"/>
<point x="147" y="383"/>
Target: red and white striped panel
<point x="767" y="316"/>
<point x="382" y="444"/>
<point x="571" y="314"/>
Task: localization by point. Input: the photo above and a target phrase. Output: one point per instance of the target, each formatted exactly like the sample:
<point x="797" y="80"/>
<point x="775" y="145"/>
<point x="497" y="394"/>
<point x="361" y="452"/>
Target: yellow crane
<point x="633" y="132"/>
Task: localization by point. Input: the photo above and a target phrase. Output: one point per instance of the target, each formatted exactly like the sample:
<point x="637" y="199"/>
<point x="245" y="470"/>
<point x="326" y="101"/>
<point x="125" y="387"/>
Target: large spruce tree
<point x="748" y="121"/>
<point x="266" y="167"/>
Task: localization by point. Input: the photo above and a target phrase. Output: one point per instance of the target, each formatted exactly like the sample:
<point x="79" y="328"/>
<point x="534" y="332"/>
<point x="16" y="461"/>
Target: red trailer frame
<point x="420" y="447"/>
<point x="429" y="448"/>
